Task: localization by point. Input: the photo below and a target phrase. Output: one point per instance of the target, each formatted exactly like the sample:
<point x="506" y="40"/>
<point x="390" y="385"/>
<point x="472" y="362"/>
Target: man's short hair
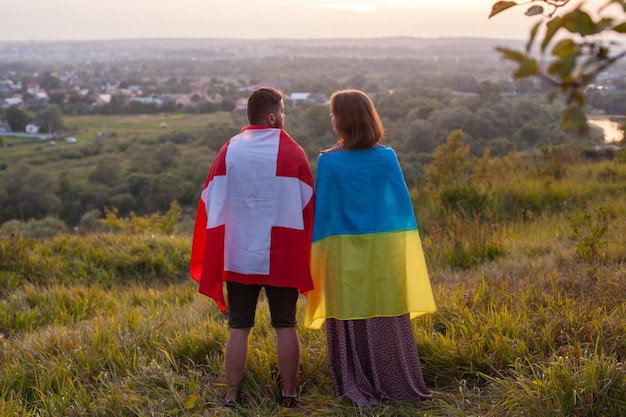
<point x="261" y="102"/>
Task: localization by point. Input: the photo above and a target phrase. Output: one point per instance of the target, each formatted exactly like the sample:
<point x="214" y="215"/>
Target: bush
<point x="90" y="222"/>
<point x="153" y="223"/>
<point x="47" y="227"/>
<point x="589" y="231"/>
<point x="462" y="241"/>
<point x="464" y="198"/>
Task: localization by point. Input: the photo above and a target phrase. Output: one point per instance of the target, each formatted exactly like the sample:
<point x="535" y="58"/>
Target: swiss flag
<point x="255" y="217"/>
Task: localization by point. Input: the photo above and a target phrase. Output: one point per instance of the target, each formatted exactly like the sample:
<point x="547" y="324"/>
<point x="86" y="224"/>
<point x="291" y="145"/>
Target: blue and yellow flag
<point x="366" y="256"/>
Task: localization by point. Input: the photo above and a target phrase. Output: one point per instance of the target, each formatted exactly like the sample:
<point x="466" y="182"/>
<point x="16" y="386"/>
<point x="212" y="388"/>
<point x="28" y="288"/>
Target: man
<point x="252" y="231"/>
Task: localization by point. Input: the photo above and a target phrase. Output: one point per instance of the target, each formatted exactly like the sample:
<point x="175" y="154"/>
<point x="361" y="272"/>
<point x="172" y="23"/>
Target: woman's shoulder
<point x="338" y="147"/>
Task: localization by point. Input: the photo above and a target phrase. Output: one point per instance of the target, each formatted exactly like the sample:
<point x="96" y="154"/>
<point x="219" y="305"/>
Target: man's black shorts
<point x="242" y="301"/>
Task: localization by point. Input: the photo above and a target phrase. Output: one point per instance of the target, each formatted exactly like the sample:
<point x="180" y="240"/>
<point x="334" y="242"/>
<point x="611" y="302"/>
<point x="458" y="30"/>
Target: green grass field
<point x="119" y="127"/>
<point x="135" y="125"/>
<point x="111" y="324"/>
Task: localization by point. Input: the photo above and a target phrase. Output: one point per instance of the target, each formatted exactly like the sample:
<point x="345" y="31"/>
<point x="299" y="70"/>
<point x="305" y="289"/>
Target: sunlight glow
<point x="100" y="19"/>
<point x="412" y="4"/>
<point x="353" y="7"/>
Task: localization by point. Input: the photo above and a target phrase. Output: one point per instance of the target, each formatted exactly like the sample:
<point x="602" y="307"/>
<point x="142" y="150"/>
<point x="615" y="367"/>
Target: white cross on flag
<point x="254" y="220"/>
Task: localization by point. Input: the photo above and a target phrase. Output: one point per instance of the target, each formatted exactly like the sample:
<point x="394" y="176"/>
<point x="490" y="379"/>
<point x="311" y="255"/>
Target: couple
<point x="364" y="272"/>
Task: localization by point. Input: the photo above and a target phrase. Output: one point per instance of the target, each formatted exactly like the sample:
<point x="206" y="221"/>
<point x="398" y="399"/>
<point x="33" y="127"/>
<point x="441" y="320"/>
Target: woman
<point x="367" y="263"/>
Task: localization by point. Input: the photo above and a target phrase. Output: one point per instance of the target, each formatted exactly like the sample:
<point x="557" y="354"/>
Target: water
<point x="610" y="126"/>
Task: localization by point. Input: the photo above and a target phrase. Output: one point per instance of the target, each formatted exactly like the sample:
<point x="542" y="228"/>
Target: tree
<point x="51" y="119"/>
<point x="420" y="137"/>
<point x="165" y="189"/>
<point x="451" y="164"/>
<point x="17" y="118"/>
<point x="216" y="133"/>
<point x="30" y="192"/>
<point x="316" y="120"/>
<point x="579" y="46"/>
<point x="106" y="171"/>
<point x="488" y="92"/>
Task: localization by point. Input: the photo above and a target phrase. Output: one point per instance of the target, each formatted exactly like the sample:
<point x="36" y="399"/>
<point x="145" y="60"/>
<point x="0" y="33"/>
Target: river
<point x="610" y="127"/>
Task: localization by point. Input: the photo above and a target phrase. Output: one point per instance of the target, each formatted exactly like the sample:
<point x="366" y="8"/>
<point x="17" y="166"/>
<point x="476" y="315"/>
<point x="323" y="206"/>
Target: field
<point x="529" y="279"/>
<point x="119" y="128"/>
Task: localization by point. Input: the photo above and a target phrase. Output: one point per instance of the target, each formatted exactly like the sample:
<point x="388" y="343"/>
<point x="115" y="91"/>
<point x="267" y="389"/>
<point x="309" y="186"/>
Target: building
<point x="5" y="127"/>
<point x="31" y="128"/>
<point x="313" y="98"/>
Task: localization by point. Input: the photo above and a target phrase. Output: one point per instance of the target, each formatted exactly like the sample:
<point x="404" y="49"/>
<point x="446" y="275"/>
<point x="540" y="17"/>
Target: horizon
<point x="216" y="38"/>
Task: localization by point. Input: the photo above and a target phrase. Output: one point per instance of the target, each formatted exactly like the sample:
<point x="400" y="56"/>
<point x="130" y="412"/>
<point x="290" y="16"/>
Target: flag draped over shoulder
<point x="255" y="216"/>
<point x="366" y="256"/>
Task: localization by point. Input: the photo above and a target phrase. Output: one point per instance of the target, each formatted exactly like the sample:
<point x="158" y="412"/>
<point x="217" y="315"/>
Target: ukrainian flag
<point x="366" y="254"/>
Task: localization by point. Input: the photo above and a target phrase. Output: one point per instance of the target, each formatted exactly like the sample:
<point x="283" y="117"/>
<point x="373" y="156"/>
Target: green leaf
<point x="534" y="11"/>
<point x="621" y="28"/>
<point x="579" y="22"/>
<point x="511" y="54"/>
<point x="533" y="35"/>
<point x="501" y="6"/>
<point x="603" y="24"/>
<point x="191" y="402"/>
<point x="563" y="67"/>
<point x="564" y="48"/>
<point x="527" y="68"/>
<point x="578" y="98"/>
<point x="574" y="121"/>
<point x="552" y="27"/>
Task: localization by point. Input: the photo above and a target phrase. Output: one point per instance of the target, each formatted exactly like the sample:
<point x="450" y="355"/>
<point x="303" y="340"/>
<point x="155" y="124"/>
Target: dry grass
<point x="111" y="325"/>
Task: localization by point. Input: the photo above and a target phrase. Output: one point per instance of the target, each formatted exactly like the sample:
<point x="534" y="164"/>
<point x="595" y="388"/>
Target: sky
<point x="256" y="19"/>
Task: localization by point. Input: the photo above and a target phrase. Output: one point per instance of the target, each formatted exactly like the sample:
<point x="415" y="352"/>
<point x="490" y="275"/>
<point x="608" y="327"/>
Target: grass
<point x="122" y="127"/>
<point x="135" y="125"/>
<point x="111" y="324"/>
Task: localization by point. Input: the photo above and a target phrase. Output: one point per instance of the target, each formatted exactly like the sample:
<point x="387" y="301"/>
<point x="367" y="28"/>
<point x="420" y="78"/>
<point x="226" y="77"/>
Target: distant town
<point x="211" y="75"/>
<point x="104" y="77"/>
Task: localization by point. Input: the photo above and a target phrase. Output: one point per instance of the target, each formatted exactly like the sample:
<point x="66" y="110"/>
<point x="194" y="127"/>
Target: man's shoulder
<point x="288" y="141"/>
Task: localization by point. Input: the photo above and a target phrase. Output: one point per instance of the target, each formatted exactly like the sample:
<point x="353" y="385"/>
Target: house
<point x="7" y="87"/>
<point x="31" y="128"/>
<point x="12" y="101"/>
<point x="184" y="100"/>
<point x="5" y="127"/>
<point x="32" y="88"/>
<point x="101" y="100"/>
<point x="148" y="100"/>
<point x="298" y="97"/>
<point x="198" y="87"/>
<point x="109" y="87"/>
<point x="314" y="98"/>
<point x="241" y="105"/>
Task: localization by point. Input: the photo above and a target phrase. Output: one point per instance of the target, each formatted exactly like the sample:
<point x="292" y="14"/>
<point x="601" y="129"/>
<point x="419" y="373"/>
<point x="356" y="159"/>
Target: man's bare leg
<point x="235" y="361"/>
<point x="288" y="347"/>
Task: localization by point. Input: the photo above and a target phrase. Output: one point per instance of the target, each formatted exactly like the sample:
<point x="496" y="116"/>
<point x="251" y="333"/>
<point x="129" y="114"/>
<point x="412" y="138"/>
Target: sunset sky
<point x="115" y="19"/>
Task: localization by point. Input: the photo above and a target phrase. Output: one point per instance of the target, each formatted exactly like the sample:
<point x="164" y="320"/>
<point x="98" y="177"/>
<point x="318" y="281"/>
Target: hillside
<point x="527" y="273"/>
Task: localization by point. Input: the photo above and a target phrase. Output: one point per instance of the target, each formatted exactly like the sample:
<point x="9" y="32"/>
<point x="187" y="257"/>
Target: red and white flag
<point x="255" y="216"/>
